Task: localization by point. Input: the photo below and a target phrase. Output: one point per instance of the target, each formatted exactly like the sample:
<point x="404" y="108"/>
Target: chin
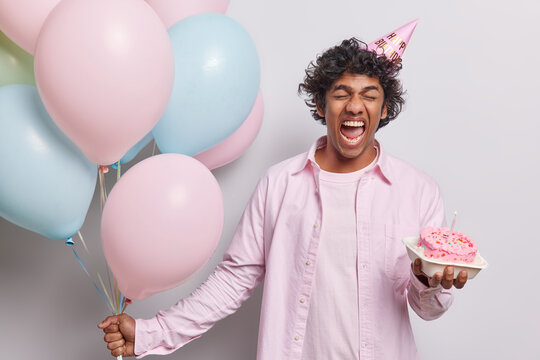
<point x="351" y="154"/>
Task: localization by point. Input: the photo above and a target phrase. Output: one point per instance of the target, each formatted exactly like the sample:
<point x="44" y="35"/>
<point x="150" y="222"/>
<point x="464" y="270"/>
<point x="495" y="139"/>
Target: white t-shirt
<point x="334" y="304"/>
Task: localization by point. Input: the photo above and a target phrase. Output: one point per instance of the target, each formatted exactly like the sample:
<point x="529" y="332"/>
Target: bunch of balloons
<point x="107" y="77"/>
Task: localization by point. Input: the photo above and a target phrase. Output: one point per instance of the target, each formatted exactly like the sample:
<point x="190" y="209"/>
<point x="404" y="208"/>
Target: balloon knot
<point x="115" y="166"/>
<point x="69" y="242"/>
<point x="128" y="301"/>
<point x="104" y="169"/>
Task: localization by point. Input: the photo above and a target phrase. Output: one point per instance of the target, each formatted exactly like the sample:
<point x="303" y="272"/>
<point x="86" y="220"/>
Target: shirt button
<point x="302" y="300"/>
<point x="364" y="266"/>
<point x="308" y="263"/>
<point x="296" y="338"/>
<point x="149" y="343"/>
<point x="315" y="225"/>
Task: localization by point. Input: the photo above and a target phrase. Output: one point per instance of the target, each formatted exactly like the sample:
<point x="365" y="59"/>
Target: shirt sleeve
<point x="429" y="303"/>
<point x="232" y="282"/>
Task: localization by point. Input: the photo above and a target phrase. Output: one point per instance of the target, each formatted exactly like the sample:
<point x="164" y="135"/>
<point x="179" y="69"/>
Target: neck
<point x="332" y="161"/>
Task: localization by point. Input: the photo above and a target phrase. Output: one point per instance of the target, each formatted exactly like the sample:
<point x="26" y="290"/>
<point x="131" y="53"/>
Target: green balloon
<point x="16" y="65"/>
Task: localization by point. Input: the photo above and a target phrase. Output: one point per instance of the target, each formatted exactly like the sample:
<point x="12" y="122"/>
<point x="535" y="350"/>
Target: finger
<point x="119" y="351"/>
<point x="113" y="337"/>
<point x="111" y="329"/>
<point x="116" y="344"/>
<point x="108" y="321"/>
<point x="436" y="279"/>
<point x="461" y="279"/>
<point x="417" y="267"/>
<point x="448" y="277"/>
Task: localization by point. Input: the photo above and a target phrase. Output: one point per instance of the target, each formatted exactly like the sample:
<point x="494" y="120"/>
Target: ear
<point x="320" y="111"/>
<point x="384" y="110"/>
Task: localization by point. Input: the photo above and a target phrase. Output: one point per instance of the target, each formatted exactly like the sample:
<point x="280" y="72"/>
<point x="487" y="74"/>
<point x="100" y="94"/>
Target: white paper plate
<point x="431" y="266"/>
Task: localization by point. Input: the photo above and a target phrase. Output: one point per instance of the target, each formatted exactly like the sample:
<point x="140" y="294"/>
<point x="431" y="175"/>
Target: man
<point x="324" y="229"/>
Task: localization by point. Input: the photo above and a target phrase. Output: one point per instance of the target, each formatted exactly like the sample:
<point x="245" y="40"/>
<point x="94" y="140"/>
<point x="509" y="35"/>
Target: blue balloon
<point x="47" y="183"/>
<point x="216" y="83"/>
<point x="130" y="155"/>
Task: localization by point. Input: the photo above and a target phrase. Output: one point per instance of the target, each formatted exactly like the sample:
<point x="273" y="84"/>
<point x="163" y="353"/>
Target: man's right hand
<point x="119" y="334"/>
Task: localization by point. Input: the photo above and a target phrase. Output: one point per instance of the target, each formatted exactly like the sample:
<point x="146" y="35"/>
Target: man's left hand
<point x="445" y="279"/>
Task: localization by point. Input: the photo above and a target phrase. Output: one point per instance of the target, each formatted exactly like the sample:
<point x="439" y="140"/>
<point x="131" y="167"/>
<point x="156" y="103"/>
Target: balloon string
<point x="102" y="171"/>
<point x="102" y="192"/>
<point x="154" y="148"/>
<point x="116" y="298"/>
<point x="97" y="288"/>
<point x="103" y="200"/>
<point x="97" y="272"/>
<point x="109" y="280"/>
<point x="119" y="296"/>
<point x="115" y="293"/>
<point x="83" y="242"/>
<point x="118" y="165"/>
<point x="105" y="290"/>
<point x="80" y="262"/>
<point x="124" y="305"/>
<point x="119" y="301"/>
<point x="105" y="170"/>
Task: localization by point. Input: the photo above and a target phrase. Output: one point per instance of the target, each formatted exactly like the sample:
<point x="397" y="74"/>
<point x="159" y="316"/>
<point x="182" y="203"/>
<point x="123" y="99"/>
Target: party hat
<point x="393" y="44"/>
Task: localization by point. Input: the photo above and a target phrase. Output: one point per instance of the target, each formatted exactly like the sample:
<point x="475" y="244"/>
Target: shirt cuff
<point x="148" y="335"/>
<point x="152" y="339"/>
<point x="429" y="303"/>
<point x="428" y="296"/>
<point x="419" y="285"/>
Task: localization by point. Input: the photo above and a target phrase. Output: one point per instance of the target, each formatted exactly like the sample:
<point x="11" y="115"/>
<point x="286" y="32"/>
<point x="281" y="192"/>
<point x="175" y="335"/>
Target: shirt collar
<point x="381" y="167"/>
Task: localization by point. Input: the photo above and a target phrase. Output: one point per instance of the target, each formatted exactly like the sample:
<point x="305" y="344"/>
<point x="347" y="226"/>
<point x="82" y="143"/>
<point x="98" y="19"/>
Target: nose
<point x="355" y="105"/>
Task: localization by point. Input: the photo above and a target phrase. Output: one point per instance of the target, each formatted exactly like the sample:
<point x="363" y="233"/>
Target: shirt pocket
<point x="397" y="262"/>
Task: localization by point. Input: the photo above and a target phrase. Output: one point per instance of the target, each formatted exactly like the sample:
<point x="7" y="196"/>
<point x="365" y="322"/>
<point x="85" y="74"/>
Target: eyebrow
<point x="349" y="89"/>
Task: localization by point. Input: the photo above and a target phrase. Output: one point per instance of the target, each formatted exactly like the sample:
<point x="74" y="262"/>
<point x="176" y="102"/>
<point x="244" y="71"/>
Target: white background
<point x="471" y="74"/>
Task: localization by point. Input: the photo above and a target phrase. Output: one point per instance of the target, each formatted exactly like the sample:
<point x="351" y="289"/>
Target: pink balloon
<point x="161" y="223"/>
<point x="104" y="70"/>
<point x="172" y="11"/>
<point x="232" y="147"/>
<point x="21" y="20"/>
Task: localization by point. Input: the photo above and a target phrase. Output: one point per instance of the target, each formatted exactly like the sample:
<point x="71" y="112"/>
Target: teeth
<point x="354" y="123"/>
<point x="352" y="141"/>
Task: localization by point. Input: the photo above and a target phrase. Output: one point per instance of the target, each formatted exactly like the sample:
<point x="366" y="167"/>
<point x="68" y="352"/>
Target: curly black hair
<point x="352" y="57"/>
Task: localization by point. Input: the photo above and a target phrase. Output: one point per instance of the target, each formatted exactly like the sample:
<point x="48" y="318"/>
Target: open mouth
<point x="352" y="130"/>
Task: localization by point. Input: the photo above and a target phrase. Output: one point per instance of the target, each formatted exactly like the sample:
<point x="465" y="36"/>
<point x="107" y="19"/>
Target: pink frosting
<point x="438" y="245"/>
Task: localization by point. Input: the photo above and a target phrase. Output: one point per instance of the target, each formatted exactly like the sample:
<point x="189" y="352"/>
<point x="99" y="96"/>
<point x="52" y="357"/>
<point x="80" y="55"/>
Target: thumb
<point x="417" y="266"/>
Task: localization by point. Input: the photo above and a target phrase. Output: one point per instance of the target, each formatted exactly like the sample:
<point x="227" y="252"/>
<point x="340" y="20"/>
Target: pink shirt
<point x="278" y="239"/>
